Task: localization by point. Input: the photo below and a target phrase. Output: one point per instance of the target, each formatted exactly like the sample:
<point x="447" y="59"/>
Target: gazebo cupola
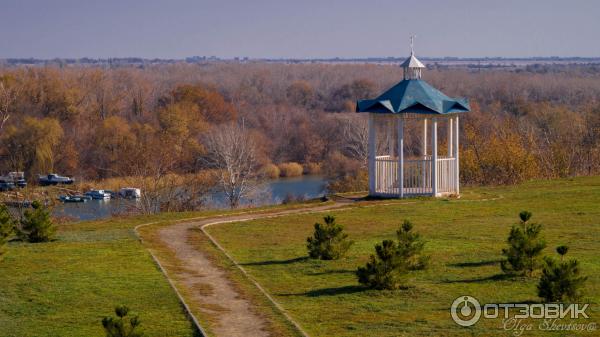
<point x="397" y="167"/>
<point x="412" y="66"/>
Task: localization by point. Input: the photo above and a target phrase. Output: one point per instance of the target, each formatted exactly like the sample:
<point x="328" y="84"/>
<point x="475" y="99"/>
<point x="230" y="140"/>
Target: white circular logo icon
<point x="469" y="312"/>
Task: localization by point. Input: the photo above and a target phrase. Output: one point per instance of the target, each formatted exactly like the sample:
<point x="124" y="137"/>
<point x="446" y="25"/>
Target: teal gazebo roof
<point x="413" y="96"/>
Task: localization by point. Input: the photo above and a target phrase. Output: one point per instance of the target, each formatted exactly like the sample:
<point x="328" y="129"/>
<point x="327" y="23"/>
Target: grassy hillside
<point x="64" y="288"/>
<point x="465" y="238"/>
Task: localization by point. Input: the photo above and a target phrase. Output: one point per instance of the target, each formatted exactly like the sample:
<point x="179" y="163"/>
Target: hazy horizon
<point x="303" y="30"/>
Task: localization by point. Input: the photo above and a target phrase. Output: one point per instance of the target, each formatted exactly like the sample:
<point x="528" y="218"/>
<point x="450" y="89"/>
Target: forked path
<point x="208" y="286"/>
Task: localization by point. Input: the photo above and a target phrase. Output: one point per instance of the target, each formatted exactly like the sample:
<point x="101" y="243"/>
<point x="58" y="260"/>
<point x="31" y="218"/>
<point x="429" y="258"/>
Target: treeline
<point x="97" y="123"/>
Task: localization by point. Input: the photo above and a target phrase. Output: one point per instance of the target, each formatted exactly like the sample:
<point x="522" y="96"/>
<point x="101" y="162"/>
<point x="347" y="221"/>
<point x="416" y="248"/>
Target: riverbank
<point x="272" y="192"/>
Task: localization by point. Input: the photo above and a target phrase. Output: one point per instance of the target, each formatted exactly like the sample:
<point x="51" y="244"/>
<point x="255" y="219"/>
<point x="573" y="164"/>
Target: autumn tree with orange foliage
<point x="210" y="104"/>
<point x="494" y="152"/>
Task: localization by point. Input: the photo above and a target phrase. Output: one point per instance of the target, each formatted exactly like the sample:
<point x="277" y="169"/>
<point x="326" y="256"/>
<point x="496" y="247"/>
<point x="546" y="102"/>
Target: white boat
<point x="97" y="194"/>
<point x="73" y="198"/>
<point x="54" y="179"/>
<point x="17" y="178"/>
<point x="130" y="193"/>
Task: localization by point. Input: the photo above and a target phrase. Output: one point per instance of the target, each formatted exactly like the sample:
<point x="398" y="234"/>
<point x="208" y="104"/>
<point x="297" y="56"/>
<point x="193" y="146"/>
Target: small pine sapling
<point x="383" y="271"/>
<point x="37" y="225"/>
<point x="329" y="241"/>
<point x="561" y="280"/>
<point x="410" y="247"/>
<point x="120" y="326"/>
<point x="393" y="260"/>
<point x="524" y="247"/>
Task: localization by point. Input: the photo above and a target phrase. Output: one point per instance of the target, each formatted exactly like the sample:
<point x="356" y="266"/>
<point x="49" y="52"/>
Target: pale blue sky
<point x="302" y="29"/>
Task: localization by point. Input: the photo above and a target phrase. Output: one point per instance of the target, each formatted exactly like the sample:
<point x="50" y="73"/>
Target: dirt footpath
<point x="208" y="285"/>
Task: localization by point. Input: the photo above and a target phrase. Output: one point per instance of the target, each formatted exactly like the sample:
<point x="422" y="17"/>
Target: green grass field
<point x="64" y="288"/>
<point x="464" y="238"/>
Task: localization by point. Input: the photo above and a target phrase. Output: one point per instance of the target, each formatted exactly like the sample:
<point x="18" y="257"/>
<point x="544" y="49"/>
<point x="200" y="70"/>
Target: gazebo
<point x="393" y="173"/>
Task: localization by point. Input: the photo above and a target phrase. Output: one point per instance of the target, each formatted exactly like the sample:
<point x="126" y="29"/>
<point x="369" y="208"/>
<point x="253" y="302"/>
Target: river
<point x="272" y="192"/>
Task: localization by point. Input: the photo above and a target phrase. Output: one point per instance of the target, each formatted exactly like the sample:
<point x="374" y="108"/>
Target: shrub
<point x="410" y="247"/>
<point x="291" y="169"/>
<point x="345" y="174"/>
<point x="36" y="225"/>
<point x="271" y="171"/>
<point x="120" y="327"/>
<point x="383" y="271"/>
<point x="560" y="280"/>
<point x="497" y="155"/>
<point x="393" y="260"/>
<point x="329" y="242"/>
<point x="7" y="225"/>
<point x="312" y="168"/>
<point x="524" y="247"/>
<point x="351" y="182"/>
<point x="336" y="164"/>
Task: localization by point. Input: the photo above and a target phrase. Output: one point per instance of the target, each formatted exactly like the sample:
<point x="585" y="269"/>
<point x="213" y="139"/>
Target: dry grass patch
<point x="291" y="169"/>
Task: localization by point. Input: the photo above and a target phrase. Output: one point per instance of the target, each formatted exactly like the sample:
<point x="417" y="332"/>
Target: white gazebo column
<point x="372" y="154"/>
<point x="456" y="160"/>
<point x="434" y="157"/>
<point x="401" y="157"/>
<point x="390" y="135"/>
<point x="424" y="146"/>
<point x="424" y="152"/>
<point x="450" y="138"/>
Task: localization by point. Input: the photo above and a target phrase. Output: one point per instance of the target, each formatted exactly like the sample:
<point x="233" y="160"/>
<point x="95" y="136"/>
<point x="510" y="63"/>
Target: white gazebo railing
<point x="386" y="175"/>
<point x="446" y="172"/>
<point x="395" y="176"/>
<point x="417" y="176"/>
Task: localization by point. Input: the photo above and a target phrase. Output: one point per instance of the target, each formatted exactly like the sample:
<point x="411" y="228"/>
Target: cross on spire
<point x="412" y="42"/>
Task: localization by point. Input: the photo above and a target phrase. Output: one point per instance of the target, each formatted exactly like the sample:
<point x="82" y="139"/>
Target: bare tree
<point x="8" y="96"/>
<point x="355" y="134"/>
<point x="168" y="192"/>
<point x="165" y="191"/>
<point x="231" y="152"/>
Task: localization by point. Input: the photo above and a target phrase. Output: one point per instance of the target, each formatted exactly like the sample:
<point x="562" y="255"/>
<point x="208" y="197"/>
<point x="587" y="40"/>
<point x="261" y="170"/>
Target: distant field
<point x="464" y="237"/>
<point x="64" y="288"/>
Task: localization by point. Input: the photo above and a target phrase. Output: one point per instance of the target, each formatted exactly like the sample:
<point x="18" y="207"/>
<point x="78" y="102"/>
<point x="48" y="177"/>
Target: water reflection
<point x="273" y="192"/>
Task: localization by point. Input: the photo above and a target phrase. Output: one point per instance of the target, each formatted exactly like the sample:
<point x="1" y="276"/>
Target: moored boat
<point x="15" y="178"/>
<point x="54" y="179"/>
<point x="73" y="198"/>
<point x="98" y="194"/>
<point x="6" y="186"/>
<point x="130" y="193"/>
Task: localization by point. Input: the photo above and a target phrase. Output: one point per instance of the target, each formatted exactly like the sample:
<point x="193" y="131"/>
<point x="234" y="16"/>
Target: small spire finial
<point x="412" y="43"/>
